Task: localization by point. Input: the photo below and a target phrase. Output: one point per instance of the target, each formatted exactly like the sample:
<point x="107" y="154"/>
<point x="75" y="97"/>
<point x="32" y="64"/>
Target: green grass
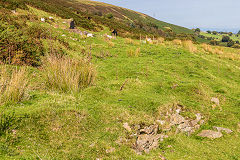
<point x="56" y="125"/>
<point x="219" y="37"/>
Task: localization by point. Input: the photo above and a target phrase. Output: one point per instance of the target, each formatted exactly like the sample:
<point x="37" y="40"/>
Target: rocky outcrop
<point x="210" y="134"/>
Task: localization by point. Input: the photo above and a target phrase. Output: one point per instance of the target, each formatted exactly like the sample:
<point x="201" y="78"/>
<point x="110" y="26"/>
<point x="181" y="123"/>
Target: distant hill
<point x="92" y="15"/>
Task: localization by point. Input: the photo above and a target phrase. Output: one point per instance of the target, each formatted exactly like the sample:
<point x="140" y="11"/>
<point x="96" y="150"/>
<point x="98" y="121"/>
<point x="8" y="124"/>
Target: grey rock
<point x="215" y="100"/>
<point x="146" y="142"/>
<point x="176" y="119"/>
<point x="127" y="127"/>
<point x="152" y="129"/>
<point x="210" y="134"/>
<point x="221" y="129"/>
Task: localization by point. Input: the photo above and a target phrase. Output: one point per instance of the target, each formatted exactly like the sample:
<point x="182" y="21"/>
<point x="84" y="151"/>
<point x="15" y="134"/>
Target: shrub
<point x="197" y="30"/>
<point x="230" y="43"/>
<point x="209" y="32"/>
<point x="13" y="86"/>
<point x="225" y="39"/>
<point x="214" y="32"/>
<point x="109" y="16"/>
<point x="214" y="42"/>
<point x="67" y="74"/>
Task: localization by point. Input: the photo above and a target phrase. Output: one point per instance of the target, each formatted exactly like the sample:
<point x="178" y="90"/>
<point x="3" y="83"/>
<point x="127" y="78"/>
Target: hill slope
<point x="127" y="22"/>
<point x="102" y="87"/>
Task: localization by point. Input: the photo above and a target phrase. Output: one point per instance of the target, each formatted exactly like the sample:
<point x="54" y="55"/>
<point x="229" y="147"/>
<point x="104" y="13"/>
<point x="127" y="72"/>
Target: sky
<point x="206" y="14"/>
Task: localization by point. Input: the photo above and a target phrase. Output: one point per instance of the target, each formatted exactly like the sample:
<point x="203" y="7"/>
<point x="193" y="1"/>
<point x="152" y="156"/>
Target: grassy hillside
<point x="64" y="95"/>
<point x="128" y="23"/>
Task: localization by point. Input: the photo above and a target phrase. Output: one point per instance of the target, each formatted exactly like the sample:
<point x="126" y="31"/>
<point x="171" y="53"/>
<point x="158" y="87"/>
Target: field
<point x="219" y="37"/>
<point x="133" y="81"/>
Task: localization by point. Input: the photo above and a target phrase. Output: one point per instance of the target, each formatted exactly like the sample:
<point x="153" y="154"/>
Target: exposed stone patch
<point x="127" y="127"/>
<point x="148" y="139"/>
<point x="221" y="129"/>
<point x="210" y="134"/>
<point x="215" y="100"/>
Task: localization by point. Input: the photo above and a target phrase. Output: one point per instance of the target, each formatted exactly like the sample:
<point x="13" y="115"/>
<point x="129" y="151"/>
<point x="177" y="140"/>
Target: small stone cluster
<point x="148" y="137"/>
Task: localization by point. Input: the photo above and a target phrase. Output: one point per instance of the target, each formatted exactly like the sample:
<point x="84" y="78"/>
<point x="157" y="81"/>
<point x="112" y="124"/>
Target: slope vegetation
<point x="64" y="95"/>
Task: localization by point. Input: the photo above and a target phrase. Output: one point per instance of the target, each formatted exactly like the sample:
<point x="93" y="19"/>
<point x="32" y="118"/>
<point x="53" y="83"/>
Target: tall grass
<point x="67" y="74"/>
<point x="177" y="42"/>
<point x="189" y="46"/>
<point x="13" y="84"/>
<point x="134" y="53"/>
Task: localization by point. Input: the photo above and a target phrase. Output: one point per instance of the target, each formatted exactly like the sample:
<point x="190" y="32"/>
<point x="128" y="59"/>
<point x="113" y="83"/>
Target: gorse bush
<point x="67" y="74"/>
<point x="13" y="84"/>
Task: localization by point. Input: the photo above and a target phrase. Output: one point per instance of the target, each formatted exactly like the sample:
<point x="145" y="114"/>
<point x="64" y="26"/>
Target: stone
<point x="152" y="129"/>
<point x="127" y="127"/>
<point x="221" y="129"/>
<point x="146" y="142"/>
<point x="195" y="122"/>
<point x="176" y="119"/>
<point x="89" y="35"/>
<point x="162" y="122"/>
<point x="210" y="134"/>
<point x="50" y="18"/>
<point x="110" y="150"/>
<point x="215" y="100"/>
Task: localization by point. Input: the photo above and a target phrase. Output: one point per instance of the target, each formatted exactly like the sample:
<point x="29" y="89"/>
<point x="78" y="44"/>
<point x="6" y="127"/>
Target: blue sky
<point x="215" y="14"/>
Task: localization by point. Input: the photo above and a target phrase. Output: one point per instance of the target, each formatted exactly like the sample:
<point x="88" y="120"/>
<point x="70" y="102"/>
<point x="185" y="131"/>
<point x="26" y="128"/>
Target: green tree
<point x="225" y="39"/>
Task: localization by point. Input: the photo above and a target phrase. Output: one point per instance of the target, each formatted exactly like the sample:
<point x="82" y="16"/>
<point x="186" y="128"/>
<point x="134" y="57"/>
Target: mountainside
<point x="91" y="14"/>
<point x="71" y="94"/>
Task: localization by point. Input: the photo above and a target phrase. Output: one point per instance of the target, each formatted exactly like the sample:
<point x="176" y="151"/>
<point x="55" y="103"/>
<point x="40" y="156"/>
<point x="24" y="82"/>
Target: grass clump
<point x="134" y="53"/>
<point x="67" y="74"/>
<point x="13" y="86"/>
<point x="189" y="46"/>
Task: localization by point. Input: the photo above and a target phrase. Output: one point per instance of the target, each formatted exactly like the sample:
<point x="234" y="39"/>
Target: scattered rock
<point x="51" y="18"/>
<point x="220" y="129"/>
<point x="210" y="134"/>
<point x="110" y="150"/>
<point x="176" y="119"/>
<point x="127" y="127"/>
<point x="162" y="122"/>
<point x="162" y="157"/>
<point x="152" y="129"/>
<point x="90" y="35"/>
<point x="216" y="101"/>
<point x="146" y="142"/>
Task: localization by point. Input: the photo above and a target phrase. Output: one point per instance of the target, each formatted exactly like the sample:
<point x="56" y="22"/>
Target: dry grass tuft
<point x="111" y="44"/>
<point x="132" y="53"/>
<point x="189" y="46"/>
<point x="160" y="40"/>
<point x="129" y="41"/>
<point x="177" y="42"/>
<point x="67" y="74"/>
<point x="13" y="84"/>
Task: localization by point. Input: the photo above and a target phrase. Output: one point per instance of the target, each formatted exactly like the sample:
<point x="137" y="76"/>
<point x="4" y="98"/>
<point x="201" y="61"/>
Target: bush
<point x="109" y="16"/>
<point x="214" y="32"/>
<point x="67" y="74"/>
<point x="230" y="43"/>
<point x="214" y="42"/>
<point x="13" y="86"/>
<point x="225" y="39"/>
